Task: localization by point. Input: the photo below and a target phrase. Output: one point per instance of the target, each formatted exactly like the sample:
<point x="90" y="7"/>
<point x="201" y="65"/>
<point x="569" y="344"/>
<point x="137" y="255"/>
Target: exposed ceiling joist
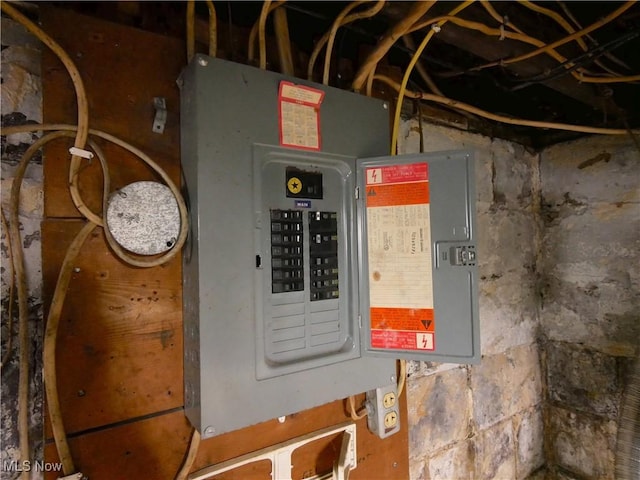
<point x="539" y="88"/>
<point x="491" y="50"/>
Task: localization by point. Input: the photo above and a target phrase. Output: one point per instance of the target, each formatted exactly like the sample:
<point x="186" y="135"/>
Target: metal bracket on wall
<point x="159" y="121"/>
<point x="280" y="456"/>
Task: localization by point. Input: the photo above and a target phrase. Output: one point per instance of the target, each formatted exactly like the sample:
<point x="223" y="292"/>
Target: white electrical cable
<point x="78" y="154"/>
<point x="118" y="250"/>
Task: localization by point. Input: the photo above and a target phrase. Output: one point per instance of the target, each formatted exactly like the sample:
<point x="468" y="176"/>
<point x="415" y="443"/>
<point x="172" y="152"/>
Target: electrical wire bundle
<point x="83" y="148"/>
<point x="577" y="63"/>
<point x="416" y="20"/>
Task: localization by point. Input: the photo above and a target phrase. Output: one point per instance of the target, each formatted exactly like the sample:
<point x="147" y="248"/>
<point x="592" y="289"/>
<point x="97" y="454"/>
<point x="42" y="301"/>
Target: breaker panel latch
<point x="463" y="255"/>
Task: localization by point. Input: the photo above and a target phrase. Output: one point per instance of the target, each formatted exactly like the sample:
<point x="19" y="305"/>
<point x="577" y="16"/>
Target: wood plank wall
<point x="119" y="352"/>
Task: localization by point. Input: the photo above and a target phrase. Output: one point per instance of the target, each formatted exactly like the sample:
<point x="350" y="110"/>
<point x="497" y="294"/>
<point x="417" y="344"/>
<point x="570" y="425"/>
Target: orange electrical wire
<point x="481" y="27"/>
<point x="547" y="48"/>
<point x="499" y="118"/>
<point x="422" y="70"/>
<point x="83" y="105"/>
<point x="502" y="20"/>
<point x="388" y="40"/>
<point x="556" y="17"/>
<point x="341" y="20"/>
<point x="190" y="458"/>
<point x="414" y="59"/>
<point x="559" y="19"/>
<point x="577" y="24"/>
<point x="191" y="34"/>
<point x="331" y="38"/>
<point x="262" y="44"/>
<point x="213" y="29"/>
<point x="182" y="208"/>
<point x="79" y="143"/>
<point x="325" y="38"/>
<point x="251" y="48"/>
<point x="12" y="285"/>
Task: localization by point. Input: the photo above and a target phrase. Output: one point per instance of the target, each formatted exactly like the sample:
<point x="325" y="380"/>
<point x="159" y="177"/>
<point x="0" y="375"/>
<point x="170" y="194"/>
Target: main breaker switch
<point x="303" y="184"/>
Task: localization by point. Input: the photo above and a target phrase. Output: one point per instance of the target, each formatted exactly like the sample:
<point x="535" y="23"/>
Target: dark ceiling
<point x="539" y="88"/>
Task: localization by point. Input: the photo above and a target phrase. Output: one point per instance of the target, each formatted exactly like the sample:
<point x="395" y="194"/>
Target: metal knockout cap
<point x="143" y="217"/>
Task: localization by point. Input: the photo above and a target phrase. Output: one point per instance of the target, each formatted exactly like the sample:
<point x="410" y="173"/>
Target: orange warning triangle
<point x="426" y="323"/>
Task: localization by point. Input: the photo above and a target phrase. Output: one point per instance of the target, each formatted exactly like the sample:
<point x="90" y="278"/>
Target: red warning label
<point x="398" y="194"/>
<point x="418" y="319"/>
<point x="402" y="340"/>
<point x="399" y="257"/>
<point x="412" y="172"/>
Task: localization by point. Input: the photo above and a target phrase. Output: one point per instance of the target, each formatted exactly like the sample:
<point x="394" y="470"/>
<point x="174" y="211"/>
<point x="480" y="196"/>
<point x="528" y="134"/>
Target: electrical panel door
<point x="418" y="264"/>
<point x="312" y="262"/>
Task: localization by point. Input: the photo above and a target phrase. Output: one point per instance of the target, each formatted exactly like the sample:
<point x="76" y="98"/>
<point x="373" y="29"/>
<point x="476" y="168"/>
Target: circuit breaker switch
<point x="286" y="252"/>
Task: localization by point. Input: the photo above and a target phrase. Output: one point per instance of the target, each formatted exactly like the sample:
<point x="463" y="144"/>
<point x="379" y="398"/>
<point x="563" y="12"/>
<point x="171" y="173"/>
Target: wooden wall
<point x="119" y="356"/>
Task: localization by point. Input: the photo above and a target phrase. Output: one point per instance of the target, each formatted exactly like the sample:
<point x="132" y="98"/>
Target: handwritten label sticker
<point x="299" y="116"/>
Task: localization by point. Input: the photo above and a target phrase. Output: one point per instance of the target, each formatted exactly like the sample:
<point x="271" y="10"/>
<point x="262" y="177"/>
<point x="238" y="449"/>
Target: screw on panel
<point x="385" y="106"/>
<point x="393" y="378"/>
<point x="209" y="430"/>
<point x="203" y="62"/>
<point x="282" y="419"/>
<point x="77" y="269"/>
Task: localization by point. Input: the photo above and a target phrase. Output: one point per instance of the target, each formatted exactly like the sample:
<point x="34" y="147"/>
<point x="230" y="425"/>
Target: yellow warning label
<point x="294" y="185"/>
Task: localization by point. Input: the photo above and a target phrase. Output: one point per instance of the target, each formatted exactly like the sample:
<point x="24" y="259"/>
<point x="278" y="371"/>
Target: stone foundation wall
<point x="21" y="101"/>
<point x="485" y="421"/>
<point x="590" y="308"/>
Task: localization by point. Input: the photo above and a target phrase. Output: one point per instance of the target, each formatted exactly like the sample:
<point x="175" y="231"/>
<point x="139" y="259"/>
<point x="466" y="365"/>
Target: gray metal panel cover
<point x="226" y="109"/>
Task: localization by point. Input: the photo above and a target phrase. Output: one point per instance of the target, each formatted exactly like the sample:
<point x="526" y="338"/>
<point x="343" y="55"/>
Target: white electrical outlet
<point x="383" y="413"/>
<point x="390" y="419"/>
<point x="389" y="400"/>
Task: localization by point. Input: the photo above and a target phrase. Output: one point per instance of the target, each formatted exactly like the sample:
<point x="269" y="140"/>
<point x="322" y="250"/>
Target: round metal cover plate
<point x="143" y="217"/>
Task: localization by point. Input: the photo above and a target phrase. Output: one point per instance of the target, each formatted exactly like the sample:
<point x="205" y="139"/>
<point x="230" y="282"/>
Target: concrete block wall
<point x="21" y="101"/>
<point x="485" y="421"/>
<point x="590" y="300"/>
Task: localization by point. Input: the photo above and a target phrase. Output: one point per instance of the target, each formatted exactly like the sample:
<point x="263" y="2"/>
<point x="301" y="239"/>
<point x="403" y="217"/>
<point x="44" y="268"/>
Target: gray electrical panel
<point x="312" y="261"/>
